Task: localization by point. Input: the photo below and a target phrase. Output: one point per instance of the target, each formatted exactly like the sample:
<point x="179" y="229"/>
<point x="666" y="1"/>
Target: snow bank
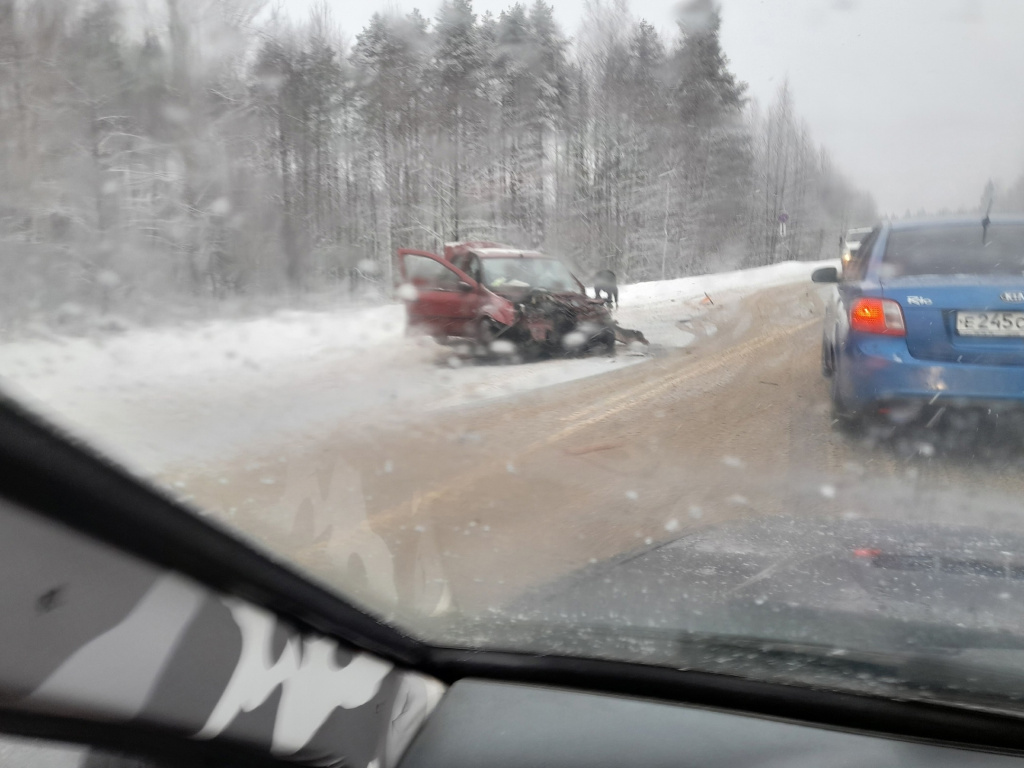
<point x="668" y="311"/>
<point x="159" y="397"/>
<point x="153" y="397"/>
<point x="197" y="354"/>
<point x="744" y="280"/>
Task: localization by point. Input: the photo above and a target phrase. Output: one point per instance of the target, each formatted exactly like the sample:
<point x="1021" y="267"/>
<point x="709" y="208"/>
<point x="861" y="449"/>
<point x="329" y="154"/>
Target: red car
<point x="487" y="293"/>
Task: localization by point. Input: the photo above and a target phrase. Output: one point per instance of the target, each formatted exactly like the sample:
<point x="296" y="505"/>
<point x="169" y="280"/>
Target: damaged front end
<point x="559" y="324"/>
<point x="567" y="323"/>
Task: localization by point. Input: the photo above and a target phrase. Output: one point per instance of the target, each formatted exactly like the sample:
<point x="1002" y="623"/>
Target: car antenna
<point x="985" y="222"/>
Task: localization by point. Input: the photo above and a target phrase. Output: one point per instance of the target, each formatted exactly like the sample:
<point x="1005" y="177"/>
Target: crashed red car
<point x="505" y="300"/>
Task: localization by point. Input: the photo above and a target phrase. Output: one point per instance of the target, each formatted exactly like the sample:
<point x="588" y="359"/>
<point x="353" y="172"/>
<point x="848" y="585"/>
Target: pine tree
<point x="712" y="141"/>
<point x="459" y="69"/>
<point x="161" y="165"/>
<point x="547" y="47"/>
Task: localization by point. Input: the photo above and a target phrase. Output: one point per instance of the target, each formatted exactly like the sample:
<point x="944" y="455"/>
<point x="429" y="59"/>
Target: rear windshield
<point x="955" y="250"/>
<point x="853" y="238"/>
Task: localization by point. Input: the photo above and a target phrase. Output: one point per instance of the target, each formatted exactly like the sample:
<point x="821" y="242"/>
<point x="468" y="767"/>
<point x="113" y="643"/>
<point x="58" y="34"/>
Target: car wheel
<point x="826" y="359"/>
<point x="844" y="418"/>
<point x="485" y="335"/>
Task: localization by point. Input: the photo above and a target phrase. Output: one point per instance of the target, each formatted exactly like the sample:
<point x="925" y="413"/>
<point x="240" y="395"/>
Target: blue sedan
<point x="927" y="315"/>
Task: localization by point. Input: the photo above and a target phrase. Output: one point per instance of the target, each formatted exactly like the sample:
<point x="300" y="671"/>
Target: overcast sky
<point x="920" y="101"/>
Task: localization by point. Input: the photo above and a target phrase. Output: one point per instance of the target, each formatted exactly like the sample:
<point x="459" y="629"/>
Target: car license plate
<point x="990" y="323"/>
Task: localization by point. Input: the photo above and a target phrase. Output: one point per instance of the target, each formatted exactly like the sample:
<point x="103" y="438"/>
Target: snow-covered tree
<point x="200" y="153"/>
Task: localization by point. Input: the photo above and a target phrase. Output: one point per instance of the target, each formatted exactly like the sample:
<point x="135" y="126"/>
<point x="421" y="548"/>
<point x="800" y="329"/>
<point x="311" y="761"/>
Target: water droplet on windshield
<point x="407" y="292"/>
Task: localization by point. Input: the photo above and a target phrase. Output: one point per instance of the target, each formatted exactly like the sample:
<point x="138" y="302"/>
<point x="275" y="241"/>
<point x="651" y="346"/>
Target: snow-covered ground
<point x="668" y="311"/>
<point x="155" y="398"/>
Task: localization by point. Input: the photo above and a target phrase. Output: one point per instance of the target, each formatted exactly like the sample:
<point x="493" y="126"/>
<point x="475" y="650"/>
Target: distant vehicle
<point x="505" y="300"/>
<point x="927" y="315"/>
<point x="606" y="287"/>
<point x="852" y="241"/>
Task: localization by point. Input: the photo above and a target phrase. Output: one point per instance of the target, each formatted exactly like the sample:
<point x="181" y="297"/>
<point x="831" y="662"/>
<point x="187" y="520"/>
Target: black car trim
<point x="138" y="741"/>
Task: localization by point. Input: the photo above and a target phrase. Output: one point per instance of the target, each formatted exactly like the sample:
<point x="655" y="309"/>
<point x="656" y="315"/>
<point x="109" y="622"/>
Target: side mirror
<point x="465" y="287"/>
<point x="825" y="275"/>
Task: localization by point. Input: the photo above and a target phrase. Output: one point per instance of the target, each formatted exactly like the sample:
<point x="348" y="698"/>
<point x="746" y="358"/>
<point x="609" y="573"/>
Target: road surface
<point x="469" y="507"/>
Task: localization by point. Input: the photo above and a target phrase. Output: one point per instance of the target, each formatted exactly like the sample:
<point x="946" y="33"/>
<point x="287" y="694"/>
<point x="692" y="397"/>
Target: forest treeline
<point x="207" y="149"/>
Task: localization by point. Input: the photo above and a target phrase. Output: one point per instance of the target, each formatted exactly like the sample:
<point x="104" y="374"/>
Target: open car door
<point x="443" y="300"/>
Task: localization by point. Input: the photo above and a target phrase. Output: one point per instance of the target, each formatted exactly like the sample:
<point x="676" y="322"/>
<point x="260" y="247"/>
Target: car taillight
<point x="877" y="316"/>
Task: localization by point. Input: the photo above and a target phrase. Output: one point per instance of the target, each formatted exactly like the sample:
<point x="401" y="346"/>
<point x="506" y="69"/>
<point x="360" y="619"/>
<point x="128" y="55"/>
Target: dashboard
<point x="502" y="725"/>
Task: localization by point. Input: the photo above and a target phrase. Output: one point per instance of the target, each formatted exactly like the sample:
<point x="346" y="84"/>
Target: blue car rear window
<point x="955" y="250"/>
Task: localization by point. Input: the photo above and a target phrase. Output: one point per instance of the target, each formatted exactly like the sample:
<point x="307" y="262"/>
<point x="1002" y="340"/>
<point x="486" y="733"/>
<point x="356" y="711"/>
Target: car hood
<point x="517" y="293"/>
<point x="545" y="304"/>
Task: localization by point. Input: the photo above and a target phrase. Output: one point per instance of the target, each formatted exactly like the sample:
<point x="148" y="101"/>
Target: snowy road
<point x="377" y="462"/>
<point x="473" y="505"/>
<point x="382" y="465"/>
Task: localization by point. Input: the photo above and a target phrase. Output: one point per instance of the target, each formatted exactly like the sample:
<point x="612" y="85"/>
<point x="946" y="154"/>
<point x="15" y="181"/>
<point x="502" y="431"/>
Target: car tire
<point x="487" y="332"/>
<point x="844" y="418"/>
<point x="826" y="359"/>
<point x="484" y="336"/>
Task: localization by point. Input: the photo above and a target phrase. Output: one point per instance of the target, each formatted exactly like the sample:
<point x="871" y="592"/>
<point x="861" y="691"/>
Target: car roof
<point x="938" y="222"/>
<point x="509" y="253"/>
<point x="488" y="250"/>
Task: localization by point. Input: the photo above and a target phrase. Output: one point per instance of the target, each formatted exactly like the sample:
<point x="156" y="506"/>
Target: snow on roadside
<point x="198" y="354"/>
<point x="667" y="311"/>
<point x="159" y="397"/>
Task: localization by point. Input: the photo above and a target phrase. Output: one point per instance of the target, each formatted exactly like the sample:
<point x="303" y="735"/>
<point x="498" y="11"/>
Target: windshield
<point x="264" y="255"/>
<point x="997" y="249"/>
<point x="542" y="274"/>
